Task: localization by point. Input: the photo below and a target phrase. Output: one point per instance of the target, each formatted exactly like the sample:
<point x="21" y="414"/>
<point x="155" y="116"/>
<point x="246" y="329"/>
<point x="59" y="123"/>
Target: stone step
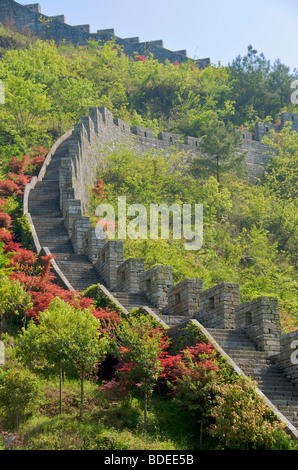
<point x="63" y="248"/>
<point x="46" y="220"/>
<point x="44" y="201"/>
<point x="271" y="380"/>
<point x="69" y="258"/>
<point x="52" y="239"/>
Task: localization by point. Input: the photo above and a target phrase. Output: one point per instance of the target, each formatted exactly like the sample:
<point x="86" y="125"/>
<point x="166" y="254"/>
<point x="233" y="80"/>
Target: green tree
<point x="281" y="175"/>
<point x="142" y="346"/>
<point x="259" y="90"/>
<point x="14" y="300"/>
<point x="219" y="146"/>
<point x="65" y="338"/>
<point x="242" y="419"/>
<point x="19" y="393"/>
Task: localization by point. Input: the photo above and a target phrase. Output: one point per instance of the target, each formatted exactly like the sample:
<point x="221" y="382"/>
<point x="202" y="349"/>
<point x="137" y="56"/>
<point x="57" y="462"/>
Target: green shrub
<point x="242" y="419"/>
<point x="19" y="393"/>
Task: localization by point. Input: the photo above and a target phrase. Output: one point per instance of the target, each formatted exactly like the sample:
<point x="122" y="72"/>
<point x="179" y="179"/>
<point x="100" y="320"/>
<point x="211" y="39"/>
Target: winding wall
<point x="245" y="334"/>
<point x="28" y="19"/>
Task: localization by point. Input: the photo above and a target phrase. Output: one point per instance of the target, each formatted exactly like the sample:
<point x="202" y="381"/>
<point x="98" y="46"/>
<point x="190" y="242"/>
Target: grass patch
<point x="114" y="426"/>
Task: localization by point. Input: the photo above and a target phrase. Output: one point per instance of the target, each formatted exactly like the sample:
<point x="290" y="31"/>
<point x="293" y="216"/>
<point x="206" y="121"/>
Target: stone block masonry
<point x="260" y="319"/>
<point x="155" y="283"/>
<point x="217" y="306"/>
<point x="184" y="298"/>
<point x="223" y="321"/>
<point x="78" y="172"/>
<point x="29" y="19"/>
<point x="110" y="257"/>
<point x="287" y="359"/>
<point x="128" y="275"/>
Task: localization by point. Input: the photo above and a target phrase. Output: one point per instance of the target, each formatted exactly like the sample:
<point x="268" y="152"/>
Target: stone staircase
<point x="131" y="301"/>
<point x="257" y="365"/>
<point x="44" y="205"/>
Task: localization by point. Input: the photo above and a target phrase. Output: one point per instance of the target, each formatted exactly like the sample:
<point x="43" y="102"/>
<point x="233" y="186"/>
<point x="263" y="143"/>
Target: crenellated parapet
<point x="287" y="359"/>
<point x="257" y="157"/>
<point x="90" y="137"/>
<point x="260" y="320"/>
<point x="30" y="19"/>
<point x="217" y="307"/>
<point x="210" y="311"/>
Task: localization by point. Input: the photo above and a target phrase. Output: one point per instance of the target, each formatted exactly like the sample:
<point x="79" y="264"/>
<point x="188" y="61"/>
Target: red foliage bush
<point x="34" y="272"/>
<point x="9" y="188"/>
<point x="5" y="220"/>
<point x="202" y="355"/>
<point x="99" y="190"/>
<point x="141" y="58"/>
<point x="3" y="202"/>
<point x="20" y="172"/>
<point x="19" y="166"/>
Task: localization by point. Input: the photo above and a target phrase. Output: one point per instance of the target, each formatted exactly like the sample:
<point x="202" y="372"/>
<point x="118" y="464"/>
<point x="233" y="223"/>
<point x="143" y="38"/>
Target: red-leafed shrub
<point x="19" y="166"/>
<point x="5" y="236"/>
<point x="99" y="190"/>
<point x="36" y="160"/>
<point x="34" y="272"/>
<point x="9" y="188"/>
<point x="5" y="220"/>
<point x="3" y="202"/>
<point x="20" y="172"/>
<point x="141" y="58"/>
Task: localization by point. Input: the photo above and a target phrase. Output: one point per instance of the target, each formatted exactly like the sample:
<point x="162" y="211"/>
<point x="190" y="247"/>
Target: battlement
<point x="215" y="312"/>
<point x="100" y="128"/>
<point x="30" y="19"/>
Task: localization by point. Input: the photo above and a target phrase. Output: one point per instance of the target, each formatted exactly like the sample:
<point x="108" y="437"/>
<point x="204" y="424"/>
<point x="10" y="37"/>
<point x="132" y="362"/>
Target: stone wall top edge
<point x="82" y="34"/>
<point x="126" y="129"/>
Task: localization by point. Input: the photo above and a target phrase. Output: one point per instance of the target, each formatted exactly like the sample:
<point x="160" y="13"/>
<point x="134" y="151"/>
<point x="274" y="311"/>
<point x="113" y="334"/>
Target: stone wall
<point x="155" y="283"/>
<point x="90" y="138"/>
<point x="99" y="130"/>
<point x="260" y="319"/>
<point x="29" y="20"/>
<point x="110" y="257"/>
<point x="257" y="157"/>
<point x="183" y="299"/>
<point x="217" y="306"/>
<point x="287" y="359"/>
<point x="128" y="275"/>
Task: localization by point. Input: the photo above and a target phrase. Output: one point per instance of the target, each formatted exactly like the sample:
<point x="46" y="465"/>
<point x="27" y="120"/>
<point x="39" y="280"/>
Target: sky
<point x="218" y="29"/>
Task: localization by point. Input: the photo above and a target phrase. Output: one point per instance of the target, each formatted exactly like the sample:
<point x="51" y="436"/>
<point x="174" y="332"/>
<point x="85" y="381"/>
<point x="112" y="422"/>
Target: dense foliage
<point x="250" y="237"/>
<point x="250" y="231"/>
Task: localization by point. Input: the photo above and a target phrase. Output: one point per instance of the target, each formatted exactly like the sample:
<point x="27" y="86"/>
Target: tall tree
<point x="65" y="338"/>
<point x="219" y="146"/>
<point x="143" y="345"/>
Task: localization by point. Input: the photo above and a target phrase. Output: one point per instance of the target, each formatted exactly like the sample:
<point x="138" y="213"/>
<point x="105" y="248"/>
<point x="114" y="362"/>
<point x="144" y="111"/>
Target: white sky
<point x="217" y="29"/>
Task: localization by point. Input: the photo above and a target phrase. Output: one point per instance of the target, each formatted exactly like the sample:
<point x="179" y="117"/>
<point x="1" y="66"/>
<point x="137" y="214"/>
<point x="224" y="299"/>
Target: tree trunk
<point x="145" y="406"/>
<point x="82" y="395"/>
<point x="60" y="390"/>
<point x="17" y="421"/>
<point x="201" y="433"/>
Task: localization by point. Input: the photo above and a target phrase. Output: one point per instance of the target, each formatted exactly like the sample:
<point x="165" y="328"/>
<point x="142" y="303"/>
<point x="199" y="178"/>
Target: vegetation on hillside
<point x="249" y="231"/>
<point x="130" y="391"/>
